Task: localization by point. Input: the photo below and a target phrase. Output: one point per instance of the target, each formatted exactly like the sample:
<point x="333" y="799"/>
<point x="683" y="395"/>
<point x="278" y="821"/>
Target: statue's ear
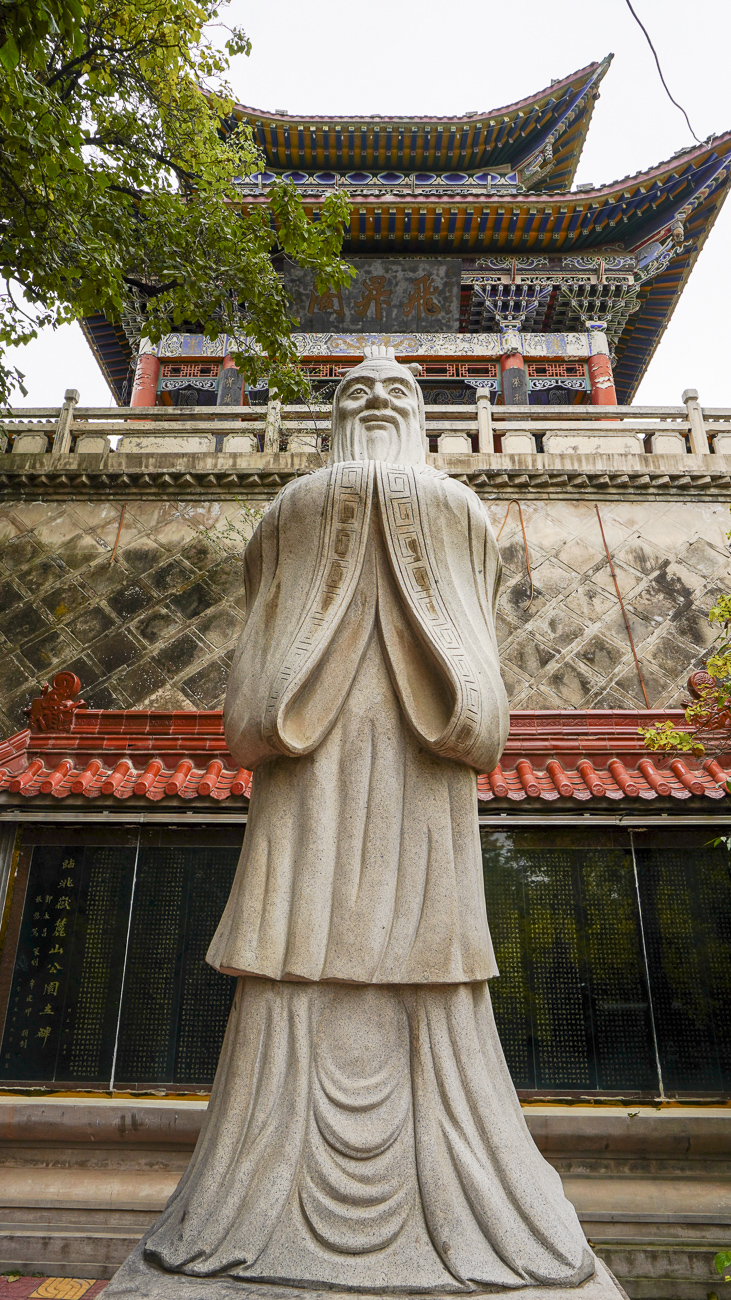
<point x="415" y="367"/>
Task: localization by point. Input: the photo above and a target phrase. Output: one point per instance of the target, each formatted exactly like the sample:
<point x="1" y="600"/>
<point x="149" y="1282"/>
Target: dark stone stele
<point x="387" y="295"/>
<point x="515" y="386"/>
<point x="70" y="1010"/>
<point x="229" y="388"/>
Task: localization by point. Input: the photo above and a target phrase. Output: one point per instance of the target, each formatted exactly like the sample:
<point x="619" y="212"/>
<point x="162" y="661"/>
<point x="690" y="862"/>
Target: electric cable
<point x="514" y="502"/>
<point x="640" y="23"/>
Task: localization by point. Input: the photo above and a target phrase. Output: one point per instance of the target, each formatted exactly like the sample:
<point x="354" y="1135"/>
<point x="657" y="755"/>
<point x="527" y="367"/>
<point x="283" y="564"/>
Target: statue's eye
<point x="397" y="392"/>
<point x="357" y="392"/>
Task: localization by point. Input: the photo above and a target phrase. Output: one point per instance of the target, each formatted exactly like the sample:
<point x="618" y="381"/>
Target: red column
<point x="515" y="379"/>
<point x="603" y="392"/>
<point x="228" y="362"/>
<point x="144" y="388"/>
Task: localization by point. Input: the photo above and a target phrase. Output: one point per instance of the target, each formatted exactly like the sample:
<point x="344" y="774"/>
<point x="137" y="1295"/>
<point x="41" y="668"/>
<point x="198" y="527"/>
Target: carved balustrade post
<point x="485" y="440"/>
<point x="698" y="435"/>
<point x="62" y="438"/>
<point x="273" y="426"/>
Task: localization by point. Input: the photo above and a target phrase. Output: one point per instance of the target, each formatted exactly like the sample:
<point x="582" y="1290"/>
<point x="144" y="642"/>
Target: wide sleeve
<point x="437" y="615"/>
<point x="244" y="705"/>
<point x="303" y="635"/>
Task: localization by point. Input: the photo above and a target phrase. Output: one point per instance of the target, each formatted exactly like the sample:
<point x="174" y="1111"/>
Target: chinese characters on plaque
<point x="386" y="295"/>
<point x="111" y="962"/>
<point x="67" y="978"/>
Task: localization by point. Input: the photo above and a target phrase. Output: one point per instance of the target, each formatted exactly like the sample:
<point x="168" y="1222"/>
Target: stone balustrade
<point x="461" y="430"/>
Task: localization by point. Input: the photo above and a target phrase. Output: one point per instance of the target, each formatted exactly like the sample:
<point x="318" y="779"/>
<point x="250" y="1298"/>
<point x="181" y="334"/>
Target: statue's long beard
<point x="379" y="444"/>
<point x="400" y="445"/>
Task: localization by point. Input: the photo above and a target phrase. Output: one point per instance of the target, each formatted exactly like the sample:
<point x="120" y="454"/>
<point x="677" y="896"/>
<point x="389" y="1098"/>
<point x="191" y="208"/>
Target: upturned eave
<point x="504" y="139"/>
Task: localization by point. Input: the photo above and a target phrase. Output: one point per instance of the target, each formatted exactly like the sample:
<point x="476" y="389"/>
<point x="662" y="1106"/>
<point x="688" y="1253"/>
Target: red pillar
<point x="228" y="362"/>
<point x="144" y="388"/>
<point x="603" y="392"/>
<point x="515" y="379"/>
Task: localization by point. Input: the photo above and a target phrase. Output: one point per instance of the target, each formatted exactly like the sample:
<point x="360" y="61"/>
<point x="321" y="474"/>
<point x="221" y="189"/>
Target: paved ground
<point x="13" y="1287"/>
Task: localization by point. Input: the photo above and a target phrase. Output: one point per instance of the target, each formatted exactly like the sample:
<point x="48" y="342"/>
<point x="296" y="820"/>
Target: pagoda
<point x="475" y="255"/>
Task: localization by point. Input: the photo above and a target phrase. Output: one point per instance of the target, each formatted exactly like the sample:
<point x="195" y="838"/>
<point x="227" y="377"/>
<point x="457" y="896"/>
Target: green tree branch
<point x="119" y="168"/>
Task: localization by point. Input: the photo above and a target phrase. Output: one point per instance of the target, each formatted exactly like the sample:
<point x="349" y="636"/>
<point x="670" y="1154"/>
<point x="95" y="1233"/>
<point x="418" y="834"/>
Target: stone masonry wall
<point x="156" y="627"/>
<point x="570" y="649"/>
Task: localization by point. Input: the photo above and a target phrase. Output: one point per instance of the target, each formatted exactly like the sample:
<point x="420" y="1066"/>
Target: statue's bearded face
<point x="377" y="416"/>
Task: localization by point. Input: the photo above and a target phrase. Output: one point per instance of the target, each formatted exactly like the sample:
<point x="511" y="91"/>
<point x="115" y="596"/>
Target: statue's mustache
<point x="382" y="417"/>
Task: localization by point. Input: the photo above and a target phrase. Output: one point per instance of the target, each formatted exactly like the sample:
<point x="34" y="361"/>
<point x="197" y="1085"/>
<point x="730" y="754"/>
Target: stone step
<point x="63" y="1251"/>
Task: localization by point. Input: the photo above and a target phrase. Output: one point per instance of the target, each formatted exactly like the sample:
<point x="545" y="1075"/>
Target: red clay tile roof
<point x="70" y="751"/>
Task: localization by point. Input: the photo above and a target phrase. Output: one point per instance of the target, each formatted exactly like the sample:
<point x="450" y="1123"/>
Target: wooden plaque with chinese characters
<point x="399" y="295"/>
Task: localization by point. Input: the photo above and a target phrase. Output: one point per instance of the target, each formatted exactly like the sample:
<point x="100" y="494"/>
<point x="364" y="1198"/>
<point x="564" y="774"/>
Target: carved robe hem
<point x="368" y="1139"/>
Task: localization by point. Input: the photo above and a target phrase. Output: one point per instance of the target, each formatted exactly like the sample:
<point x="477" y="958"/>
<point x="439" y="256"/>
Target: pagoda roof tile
<point x="555" y="87"/>
<point x="629" y="214"/>
<point x="561" y="757"/>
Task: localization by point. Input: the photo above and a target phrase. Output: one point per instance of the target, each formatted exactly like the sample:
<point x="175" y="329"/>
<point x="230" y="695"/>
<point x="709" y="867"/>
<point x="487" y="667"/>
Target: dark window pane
<point x="505" y="911"/>
<point x="571" y="1000"/>
<point x="205" y="998"/>
<point x="616" y="976"/>
<point x="170" y="995"/>
<point x="560" y="1042"/>
<point x="149" y="1002"/>
<point x="686" y="905"/>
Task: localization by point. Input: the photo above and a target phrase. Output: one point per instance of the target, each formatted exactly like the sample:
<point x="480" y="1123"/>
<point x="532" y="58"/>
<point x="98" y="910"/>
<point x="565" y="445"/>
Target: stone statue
<point x="363" y="1132"/>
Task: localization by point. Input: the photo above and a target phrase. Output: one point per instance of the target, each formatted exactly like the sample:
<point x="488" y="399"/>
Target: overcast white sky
<point x="440" y="57"/>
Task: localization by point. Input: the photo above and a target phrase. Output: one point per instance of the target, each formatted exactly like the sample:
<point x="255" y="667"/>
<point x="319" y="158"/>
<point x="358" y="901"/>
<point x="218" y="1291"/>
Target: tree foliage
<point x="119" y="158"/>
<point x="708" y="718"/>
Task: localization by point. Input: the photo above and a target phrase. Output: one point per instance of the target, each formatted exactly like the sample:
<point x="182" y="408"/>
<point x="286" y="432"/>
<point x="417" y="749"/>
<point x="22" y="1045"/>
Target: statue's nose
<point x="378" y="397"/>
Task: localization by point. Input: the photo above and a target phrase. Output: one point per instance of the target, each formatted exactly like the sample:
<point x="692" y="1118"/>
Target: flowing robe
<point x="366" y="698"/>
<point x="364" y="1136"/>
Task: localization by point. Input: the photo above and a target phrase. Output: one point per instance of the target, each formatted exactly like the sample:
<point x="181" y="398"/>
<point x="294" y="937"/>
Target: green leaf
<point x="9" y="55"/>
<point x="722" y="1262"/>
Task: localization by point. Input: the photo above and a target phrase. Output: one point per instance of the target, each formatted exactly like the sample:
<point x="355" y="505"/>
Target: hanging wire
<point x="514" y="502"/>
<point x="621" y="606"/>
<point x="119" y="532"/>
<point x="640" y="23"/>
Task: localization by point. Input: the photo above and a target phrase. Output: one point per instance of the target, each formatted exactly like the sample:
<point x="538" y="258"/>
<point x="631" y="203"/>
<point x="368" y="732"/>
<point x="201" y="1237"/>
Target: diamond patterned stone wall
<point x="569" y="648"/>
<point x="156" y="628"/>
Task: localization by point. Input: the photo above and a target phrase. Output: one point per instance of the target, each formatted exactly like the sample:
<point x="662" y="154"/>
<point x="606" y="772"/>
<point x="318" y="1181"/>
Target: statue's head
<point x="378" y="414"/>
